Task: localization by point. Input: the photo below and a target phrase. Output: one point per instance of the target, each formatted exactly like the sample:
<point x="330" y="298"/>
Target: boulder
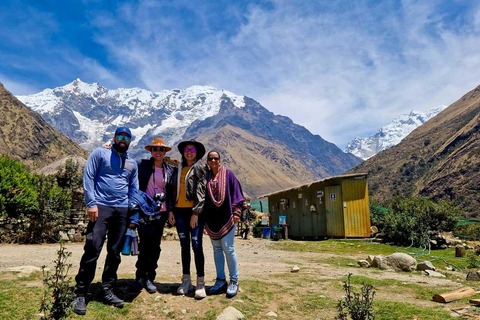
<point x="400" y="262"/>
<point x="425" y="265"/>
<point x="363" y="263"/>
<point x="397" y="261"/>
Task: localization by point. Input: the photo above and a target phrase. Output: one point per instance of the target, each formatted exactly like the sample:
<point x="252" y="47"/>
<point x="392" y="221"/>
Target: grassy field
<point x="313" y="293"/>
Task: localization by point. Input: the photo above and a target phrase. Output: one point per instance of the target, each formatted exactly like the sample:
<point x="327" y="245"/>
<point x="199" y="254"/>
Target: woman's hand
<point x="194" y="221"/>
<point x="236" y="219"/>
<point x="171" y="218"/>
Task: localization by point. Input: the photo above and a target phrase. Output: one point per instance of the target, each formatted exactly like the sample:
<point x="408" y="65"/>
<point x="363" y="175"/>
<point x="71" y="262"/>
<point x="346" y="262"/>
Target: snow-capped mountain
<point x="391" y="134"/>
<point x="267" y="150"/>
<point x="89" y="113"/>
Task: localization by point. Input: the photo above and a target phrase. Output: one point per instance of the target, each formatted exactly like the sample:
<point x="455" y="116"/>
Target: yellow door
<point x="334" y="211"/>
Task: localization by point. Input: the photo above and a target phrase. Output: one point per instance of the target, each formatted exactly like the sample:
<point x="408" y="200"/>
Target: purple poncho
<point x="223" y="199"/>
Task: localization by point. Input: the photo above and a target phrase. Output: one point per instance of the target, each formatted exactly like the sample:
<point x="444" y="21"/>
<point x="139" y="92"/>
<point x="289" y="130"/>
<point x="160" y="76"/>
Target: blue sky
<point x="340" y="68"/>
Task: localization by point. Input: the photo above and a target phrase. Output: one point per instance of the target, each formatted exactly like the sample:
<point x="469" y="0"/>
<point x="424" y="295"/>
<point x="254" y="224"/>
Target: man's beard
<point x="120" y="148"/>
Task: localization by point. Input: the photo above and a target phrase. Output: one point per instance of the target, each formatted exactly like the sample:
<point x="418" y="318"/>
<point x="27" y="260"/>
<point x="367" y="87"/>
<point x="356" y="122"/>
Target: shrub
<point x="53" y="207"/>
<point x="37" y="206"/>
<point x="410" y="221"/>
<point x="57" y="294"/>
<point x="17" y="189"/>
<point x="354" y="305"/>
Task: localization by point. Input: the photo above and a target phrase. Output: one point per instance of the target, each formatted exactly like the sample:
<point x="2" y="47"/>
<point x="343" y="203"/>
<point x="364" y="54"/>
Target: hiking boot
<point x="232" y="288"/>
<point x="79" y="305"/>
<point x="147" y="284"/>
<point x="112" y="299"/>
<point x="219" y="286"/>
<point x="200" y="288"/>
<point x="186" y="285"/>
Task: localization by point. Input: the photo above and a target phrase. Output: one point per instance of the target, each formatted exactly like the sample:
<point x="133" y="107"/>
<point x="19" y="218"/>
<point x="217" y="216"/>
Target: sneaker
<point x="112" y="299"/>
<point x="147" y="284"/>
<point x="200" y="288"/>
<point x="232" y="288"/>
<point x="79" y="305"/>
<point x="218" y="287"/>
<point x="186" y="285"/>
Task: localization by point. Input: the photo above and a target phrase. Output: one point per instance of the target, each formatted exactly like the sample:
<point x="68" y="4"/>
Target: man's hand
<point x="171" y="218"/>
<point x="93" y="214"/>
<point x="194" y="221"/>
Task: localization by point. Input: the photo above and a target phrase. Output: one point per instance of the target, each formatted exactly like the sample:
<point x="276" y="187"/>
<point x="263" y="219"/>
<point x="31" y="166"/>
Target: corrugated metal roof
<point x="309" y="184"/>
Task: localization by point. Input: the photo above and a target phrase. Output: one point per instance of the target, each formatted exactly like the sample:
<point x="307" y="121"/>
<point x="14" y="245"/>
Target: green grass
<point x="388" y="310"/>
<point x="345" y="248"/>
<point x="339" y="247"/>
<point x="304" y="295"/>
<point x="19" y="299"/>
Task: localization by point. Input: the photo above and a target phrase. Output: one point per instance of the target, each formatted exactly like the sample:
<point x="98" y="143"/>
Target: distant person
<point x="107" y="177"/>
<point x="186" y="214"/>
<point x="153" y="175"/>
<point x="247" y="217"/>
<point x="224" y="202"/>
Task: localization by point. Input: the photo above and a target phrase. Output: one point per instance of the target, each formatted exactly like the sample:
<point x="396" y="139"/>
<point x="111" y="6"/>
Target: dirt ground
<point x="257" y="261"/>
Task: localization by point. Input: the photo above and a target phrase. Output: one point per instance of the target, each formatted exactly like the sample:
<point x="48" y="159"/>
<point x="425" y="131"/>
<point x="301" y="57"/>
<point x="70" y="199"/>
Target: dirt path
<point x="258" y="260"/>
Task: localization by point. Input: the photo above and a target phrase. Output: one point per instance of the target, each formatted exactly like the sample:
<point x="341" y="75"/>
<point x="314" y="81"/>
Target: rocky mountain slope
<point x="269" y="151"/>
<point x="440" y="159"/>
<point x="390" y="134"/>
<point x="27" y="137"/>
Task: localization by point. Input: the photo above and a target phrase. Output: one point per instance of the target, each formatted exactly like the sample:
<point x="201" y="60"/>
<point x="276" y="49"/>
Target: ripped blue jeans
<point x="187" y="235"/>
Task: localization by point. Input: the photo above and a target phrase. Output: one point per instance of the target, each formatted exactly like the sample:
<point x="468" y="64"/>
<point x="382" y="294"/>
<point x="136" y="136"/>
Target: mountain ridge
<point x="390" y="134"/>
<point x="196" y="112"/>
<point x="27" y="137"/>
<point x="439" y="159"/>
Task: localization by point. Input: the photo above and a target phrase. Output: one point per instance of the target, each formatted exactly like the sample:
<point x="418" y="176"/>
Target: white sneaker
<point x="186" y="285"/>
<point x="200" y="288"/>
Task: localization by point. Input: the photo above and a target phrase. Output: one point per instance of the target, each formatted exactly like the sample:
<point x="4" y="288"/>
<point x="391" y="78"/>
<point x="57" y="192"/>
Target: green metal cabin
<point x="332" y="207"/>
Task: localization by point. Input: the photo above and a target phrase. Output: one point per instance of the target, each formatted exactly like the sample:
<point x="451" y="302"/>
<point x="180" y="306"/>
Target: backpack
<point x="246" y="216"/>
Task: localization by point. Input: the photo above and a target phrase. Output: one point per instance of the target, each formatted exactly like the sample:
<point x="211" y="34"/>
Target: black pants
<point x="111" y="222"/>
<point x="187" y="235"/>
<point x="150" y="237"/>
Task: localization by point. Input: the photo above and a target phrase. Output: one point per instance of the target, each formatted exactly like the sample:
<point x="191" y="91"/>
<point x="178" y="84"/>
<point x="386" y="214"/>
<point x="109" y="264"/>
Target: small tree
<point x="354" y="305"/>
<point x="53" y="205"/>
<point x="57" y="294"/>
<point x="17" y="189"/>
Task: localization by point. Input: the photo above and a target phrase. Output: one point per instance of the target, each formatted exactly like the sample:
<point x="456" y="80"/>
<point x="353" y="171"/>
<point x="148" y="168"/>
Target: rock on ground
<point x="230" y="313"/>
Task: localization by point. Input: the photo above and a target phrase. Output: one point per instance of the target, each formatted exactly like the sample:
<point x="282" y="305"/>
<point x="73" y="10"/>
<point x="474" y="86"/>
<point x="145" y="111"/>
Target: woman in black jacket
<point x="186" y="213"/>
<point x="153" y="175"/>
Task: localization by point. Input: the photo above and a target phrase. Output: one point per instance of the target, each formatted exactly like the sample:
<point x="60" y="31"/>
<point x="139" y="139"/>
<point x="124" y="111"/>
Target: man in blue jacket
<point x="108" y="176"/>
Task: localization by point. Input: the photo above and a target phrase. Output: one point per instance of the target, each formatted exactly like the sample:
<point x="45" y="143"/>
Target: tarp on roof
<point x="259" y="206"/>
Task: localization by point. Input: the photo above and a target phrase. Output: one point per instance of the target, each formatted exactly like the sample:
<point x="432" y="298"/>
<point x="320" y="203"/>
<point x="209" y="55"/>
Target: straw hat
<point x="157" y="142"/>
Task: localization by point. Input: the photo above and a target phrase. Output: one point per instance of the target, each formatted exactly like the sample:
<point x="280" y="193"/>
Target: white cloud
<point x="340" y="68"/>
<point x="18" y="87"/>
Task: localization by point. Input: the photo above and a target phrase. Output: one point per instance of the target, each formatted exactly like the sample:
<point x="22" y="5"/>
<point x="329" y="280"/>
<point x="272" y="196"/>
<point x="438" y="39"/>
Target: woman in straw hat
<point x="185" y="215"/>
<point x="153" y="175"/>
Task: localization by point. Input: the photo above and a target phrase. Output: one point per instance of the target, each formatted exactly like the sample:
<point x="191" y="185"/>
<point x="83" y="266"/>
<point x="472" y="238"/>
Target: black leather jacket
<point x="194" y="185"/>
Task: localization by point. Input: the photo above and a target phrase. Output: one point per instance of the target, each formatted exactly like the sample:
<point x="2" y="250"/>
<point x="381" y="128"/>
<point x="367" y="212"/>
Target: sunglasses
<point x="126" y="138"/>
<point x="213" y="159"/>
<point x="161" y="149"/>
<point x="192" y="150"/>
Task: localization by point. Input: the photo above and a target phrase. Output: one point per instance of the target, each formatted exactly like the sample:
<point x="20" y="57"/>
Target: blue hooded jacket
<point x="144" y="207"/>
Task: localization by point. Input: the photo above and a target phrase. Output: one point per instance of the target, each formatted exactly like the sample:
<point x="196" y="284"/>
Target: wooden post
<point x="454" y="295"/>
<point x="285" y="231"/>
<point x="460" y="251"/>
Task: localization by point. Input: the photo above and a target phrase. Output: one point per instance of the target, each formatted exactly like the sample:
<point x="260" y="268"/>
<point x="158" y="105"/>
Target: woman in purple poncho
<point x="224" y="202"/>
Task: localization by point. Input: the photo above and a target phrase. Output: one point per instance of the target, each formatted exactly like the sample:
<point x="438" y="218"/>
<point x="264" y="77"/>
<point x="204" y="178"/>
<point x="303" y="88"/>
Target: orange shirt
<point x="182" y="201"/>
